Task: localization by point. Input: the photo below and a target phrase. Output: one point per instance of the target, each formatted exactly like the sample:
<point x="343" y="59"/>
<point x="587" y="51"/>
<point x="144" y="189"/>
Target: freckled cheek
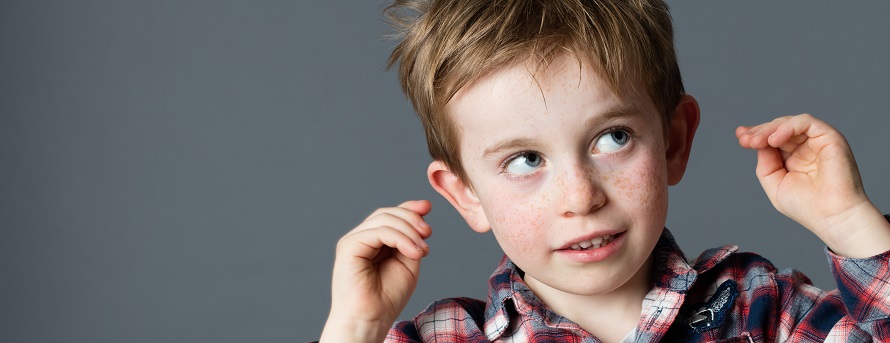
<point x="517" y="222"/>
<point x="653" y="191"/>
<point x="643" y="185"/>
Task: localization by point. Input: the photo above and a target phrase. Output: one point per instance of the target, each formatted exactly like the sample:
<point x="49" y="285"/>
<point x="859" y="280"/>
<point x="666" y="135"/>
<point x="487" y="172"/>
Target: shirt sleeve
<point x="403" y="332"/>
<point x="864" y="286"/>
<point x="859" y="310"/>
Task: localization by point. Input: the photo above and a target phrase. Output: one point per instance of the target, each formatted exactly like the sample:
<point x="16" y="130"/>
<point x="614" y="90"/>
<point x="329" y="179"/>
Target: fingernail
<point x="424" y="225"/>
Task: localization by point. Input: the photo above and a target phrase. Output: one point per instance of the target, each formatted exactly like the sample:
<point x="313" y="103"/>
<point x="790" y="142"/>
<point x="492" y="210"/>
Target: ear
<point x="683" y="123"/>
<point x="459" y="194"/>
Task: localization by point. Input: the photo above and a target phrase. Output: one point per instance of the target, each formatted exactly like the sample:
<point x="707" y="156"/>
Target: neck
<point x="616" y="313"/>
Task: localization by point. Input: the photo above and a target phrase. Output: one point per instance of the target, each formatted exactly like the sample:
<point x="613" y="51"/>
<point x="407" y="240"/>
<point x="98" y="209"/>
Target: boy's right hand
<point x="375" y="272"/>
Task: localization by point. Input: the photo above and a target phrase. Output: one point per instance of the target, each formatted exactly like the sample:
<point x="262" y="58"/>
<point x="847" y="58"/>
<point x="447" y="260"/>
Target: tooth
<point x="597" y="240"/>
<point x="584" y="244"/>
<point x="576" y="246"/>
<point x="596" y="246"/>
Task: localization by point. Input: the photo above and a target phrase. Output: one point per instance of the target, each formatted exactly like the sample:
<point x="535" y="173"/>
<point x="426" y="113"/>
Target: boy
<point x="558" y="126"/>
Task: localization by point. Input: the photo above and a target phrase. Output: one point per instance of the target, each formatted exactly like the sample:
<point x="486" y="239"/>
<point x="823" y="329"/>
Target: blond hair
<point x="449" y="43"/>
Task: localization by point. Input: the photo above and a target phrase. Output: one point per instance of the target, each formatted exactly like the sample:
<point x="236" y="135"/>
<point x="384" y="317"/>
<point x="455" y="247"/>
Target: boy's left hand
<point x="809" y="174"/>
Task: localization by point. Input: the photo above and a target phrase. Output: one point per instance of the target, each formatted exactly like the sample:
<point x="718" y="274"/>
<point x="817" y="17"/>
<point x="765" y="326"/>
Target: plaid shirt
<point x="724" y="296"/>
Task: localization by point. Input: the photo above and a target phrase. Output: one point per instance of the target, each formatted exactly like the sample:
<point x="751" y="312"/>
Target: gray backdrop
<point x="179" y="171"/>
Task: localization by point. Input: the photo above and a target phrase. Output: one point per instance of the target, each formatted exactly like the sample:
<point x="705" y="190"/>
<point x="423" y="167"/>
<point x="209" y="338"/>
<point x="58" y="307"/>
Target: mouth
<point x="592" y="243"/>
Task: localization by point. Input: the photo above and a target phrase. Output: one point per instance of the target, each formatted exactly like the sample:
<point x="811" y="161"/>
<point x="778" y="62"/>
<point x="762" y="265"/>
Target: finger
<point x="412" y="212"/>
<point x="367" y="244"/>
<point x="748" y="136"/>
<point x="798" y="129"/>
<point x="757" y="137"/>
<point x="770" y="169"/>
<point x="399" y="223"/>
<point x="413" y="265"/>
<point x="421" y="207"/>
<point x="750" y="140"/>
<point x="386" y="216"/>
<point x="739" y="131"/>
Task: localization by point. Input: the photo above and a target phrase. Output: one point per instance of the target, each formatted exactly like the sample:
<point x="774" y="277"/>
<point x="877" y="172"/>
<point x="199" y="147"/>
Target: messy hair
<point x="446" y="44"/>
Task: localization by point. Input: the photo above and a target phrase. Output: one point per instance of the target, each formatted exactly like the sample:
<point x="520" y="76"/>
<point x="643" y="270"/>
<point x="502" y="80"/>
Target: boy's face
<point x="557" y="160"/>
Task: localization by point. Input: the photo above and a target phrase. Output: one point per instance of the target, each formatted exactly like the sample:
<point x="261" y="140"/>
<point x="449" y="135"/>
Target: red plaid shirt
<point x="724" y="296"/>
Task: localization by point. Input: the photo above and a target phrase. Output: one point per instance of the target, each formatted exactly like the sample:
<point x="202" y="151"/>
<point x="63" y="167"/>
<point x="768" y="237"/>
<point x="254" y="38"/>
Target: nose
<point x="582" y="191"/>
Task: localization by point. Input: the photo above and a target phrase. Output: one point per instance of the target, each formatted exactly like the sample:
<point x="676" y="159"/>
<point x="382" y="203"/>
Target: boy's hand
<point x="808" y="172"/>
<point x="375" y="272"/>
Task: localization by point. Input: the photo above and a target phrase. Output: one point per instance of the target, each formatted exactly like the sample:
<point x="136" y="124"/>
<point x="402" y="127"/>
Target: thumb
<point x="770" y="168"/>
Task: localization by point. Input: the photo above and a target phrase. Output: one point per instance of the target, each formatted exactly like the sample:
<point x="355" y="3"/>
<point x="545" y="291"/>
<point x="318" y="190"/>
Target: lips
<point x="591" y="241"/>
<point x="591" y="254"/>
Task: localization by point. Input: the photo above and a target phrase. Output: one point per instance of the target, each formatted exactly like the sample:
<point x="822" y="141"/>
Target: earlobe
<point x="459" y="194"/>
<point x="683" y="123"/>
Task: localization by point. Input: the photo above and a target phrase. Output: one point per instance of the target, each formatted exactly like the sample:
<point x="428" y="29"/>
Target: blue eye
<point x="524" y="163"/>
<point x="612" y="141"/>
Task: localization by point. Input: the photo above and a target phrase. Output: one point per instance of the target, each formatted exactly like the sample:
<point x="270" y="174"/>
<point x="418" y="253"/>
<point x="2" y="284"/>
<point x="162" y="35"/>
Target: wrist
<point x="865" y="232"/>
<point x="341" y="329"/>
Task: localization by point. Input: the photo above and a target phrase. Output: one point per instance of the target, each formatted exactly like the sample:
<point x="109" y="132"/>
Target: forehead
<point x="557" y="97"/>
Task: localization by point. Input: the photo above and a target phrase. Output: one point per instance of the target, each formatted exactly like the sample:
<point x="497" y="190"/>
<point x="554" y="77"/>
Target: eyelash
<point x="631" y="136"/>
<point x="510" y="159"/>
<point x="503" y="167"/>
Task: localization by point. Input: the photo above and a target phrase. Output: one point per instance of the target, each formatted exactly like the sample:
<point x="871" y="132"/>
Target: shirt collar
<point x="509" y="295"/>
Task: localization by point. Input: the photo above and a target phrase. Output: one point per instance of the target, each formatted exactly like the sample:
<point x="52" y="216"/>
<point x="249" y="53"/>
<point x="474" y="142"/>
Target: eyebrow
<point x="610" y="114"/>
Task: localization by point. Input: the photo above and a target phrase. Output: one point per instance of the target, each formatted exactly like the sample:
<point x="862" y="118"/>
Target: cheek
<point x="516" y="221"/>
<point x="642" y="185"/>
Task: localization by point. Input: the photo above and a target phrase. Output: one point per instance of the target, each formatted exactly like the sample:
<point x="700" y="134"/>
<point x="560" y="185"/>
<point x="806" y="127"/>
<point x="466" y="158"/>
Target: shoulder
<point x="727" y="259"/>
<point x="743" y="293"/>
<point x="460" y="309"/>
<point x="745" y="267"/>
<point x="747" y="272"/>
<point x="755" y="276"/>
<point x="453" y="317"/>
<point x="760" y="283"/>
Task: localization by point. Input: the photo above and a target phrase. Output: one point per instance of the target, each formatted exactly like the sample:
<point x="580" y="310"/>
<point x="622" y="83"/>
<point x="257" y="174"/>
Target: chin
<point x="589" y="290"/>
<point x="592" y="284"/>
<point x="604" y="286"/>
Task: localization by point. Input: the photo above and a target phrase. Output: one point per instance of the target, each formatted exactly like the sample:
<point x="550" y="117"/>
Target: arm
<point x="809" y="174"/>
<point x="375" y="272"/>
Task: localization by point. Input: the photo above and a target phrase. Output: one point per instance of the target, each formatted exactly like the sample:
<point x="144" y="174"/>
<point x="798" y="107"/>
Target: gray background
<point x="180" y="171"/>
